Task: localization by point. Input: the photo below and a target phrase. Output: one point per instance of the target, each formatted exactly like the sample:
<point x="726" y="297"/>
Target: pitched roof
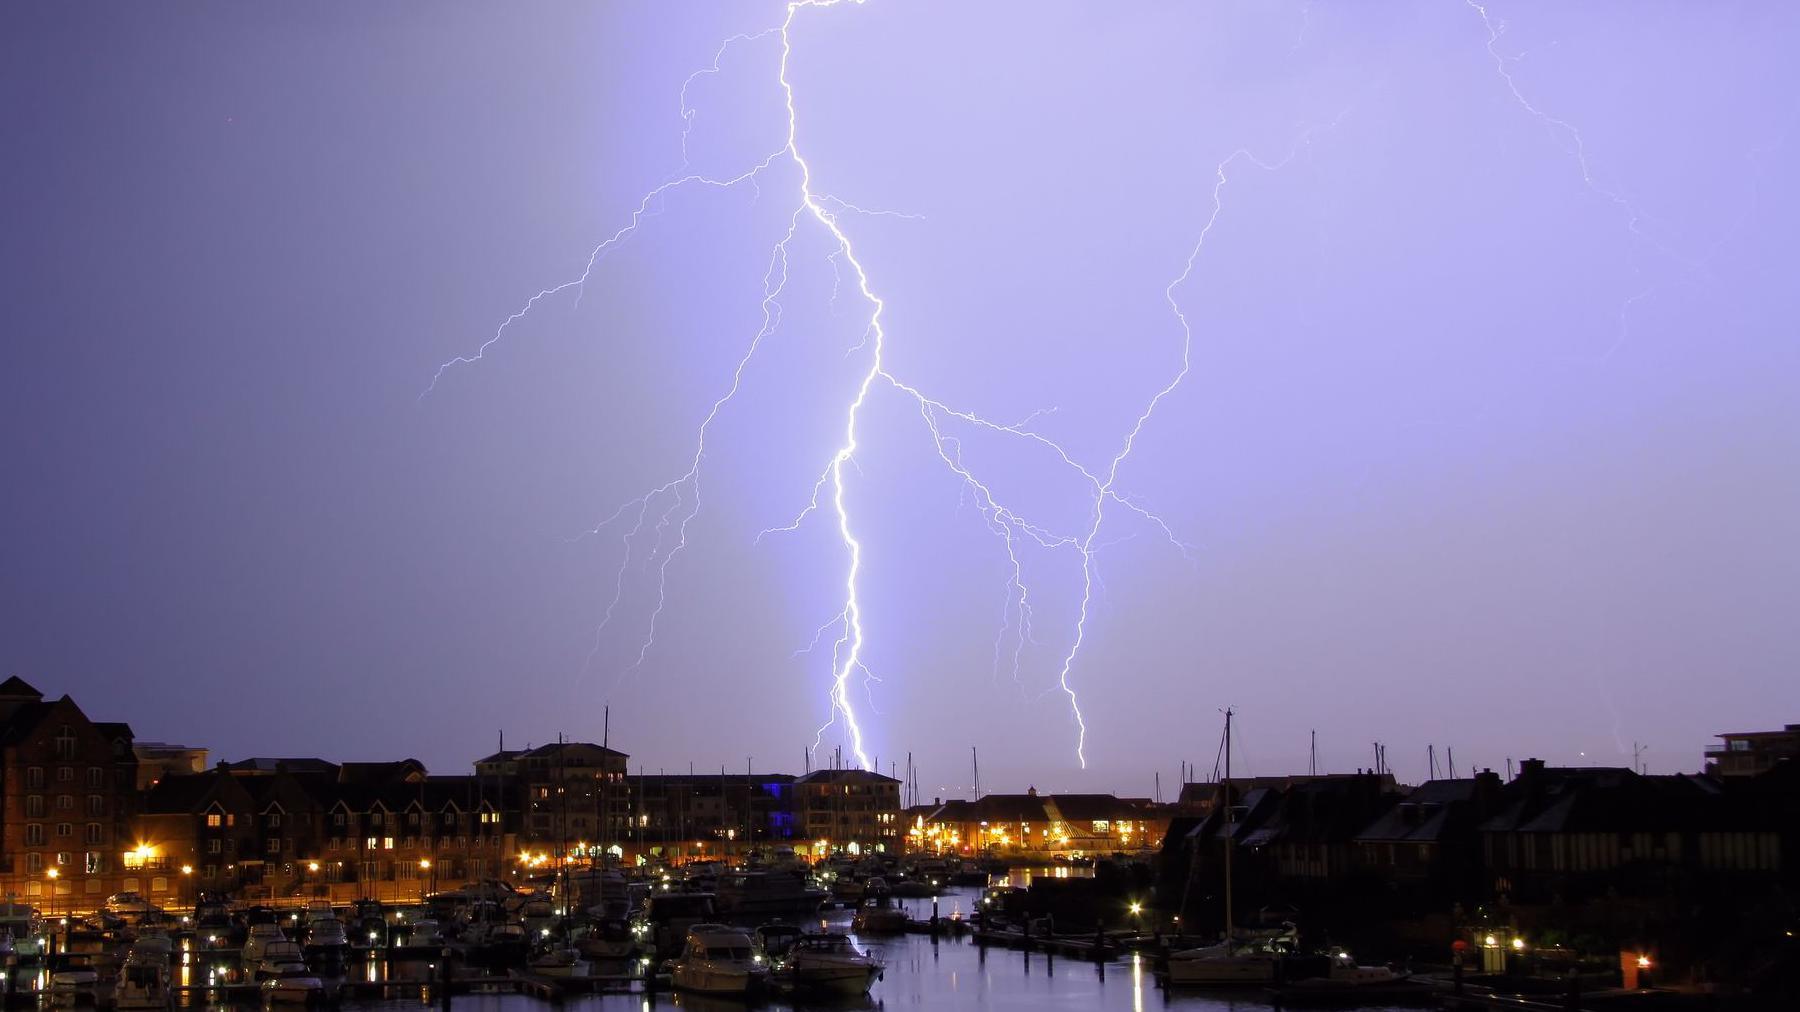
<point x="846" y="776"/>
<point x="16" y="686"/>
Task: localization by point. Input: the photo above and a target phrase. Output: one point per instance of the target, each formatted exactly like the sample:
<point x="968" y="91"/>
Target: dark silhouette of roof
<point x="15" y="687"/>
<point x="845" y="777"/>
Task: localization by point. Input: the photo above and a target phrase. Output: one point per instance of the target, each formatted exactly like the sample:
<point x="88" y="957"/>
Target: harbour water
<point x="949" y="973"/>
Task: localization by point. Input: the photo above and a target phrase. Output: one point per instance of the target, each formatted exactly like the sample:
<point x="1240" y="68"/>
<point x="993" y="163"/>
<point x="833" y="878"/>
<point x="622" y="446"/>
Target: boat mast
<point x="1228" y="826"/>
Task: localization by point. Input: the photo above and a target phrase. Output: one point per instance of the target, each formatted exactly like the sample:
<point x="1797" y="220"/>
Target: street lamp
<point x="187" y="876"/>
<point x="53" y="875"/>
<point x="424" y="866"/>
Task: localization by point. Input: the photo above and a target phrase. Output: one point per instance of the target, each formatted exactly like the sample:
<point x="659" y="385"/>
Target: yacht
<point x="753" y="895"/>
<point x="826" y="965"/>
<point x="258" y="939"/>
<point x="663" y="922"/>
<point x="1235" y="960"/>
<point x="325" y="936"/>
<point x="879" y="914"/>
<point x="295" y="986"/>
<point x="143" y="981"/>
<point x="719" y="959"/>
<point x="75" y="981"/>
<point x="558" y="961"/>
<point x="1346" y="982"/>
<point x="278" y="958"/>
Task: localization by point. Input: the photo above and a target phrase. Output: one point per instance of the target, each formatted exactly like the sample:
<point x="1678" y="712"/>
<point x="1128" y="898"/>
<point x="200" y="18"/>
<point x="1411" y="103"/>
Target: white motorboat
<point x="719" y="959"/>
<point x="143" y="982"/>
<point x="75" y="984"/>
<point x="826" y="965"/>
<point x="280" y="957"/>
<point x="259" y="937"/>
<point x="294" y="987"/>
<point x="326" y="936"/>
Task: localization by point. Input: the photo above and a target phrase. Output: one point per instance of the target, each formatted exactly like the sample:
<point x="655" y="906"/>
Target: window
<point x="213" y="821"/>
<point x="34" y="777"/>
<point x="95" y="863"/>
<point x="371" y="843"/>
<point x="65" y="829"/>
<point x="159" y="884"/>
<point x="96" y="776"/>
<point x="65" y="774"/>
<point x="449" y="819"/>
<point x="374" y="818"/>
<point x="65" y="802"/>
<point x="65" y="744"/>
<point x="337" y="819"/>
<point x="210" y="871"/>
<point x="96" y="805"/>
<point x="274" y="820"/>
<point x="62" y="857"/>
<point x="93" y="833"/>
<point x="34" y="834"/>
<point x="34" y="806"/>
<point x="412" y="818"/>
<point x="274" y="845"/>
<point x="34" y="863"/>
<point x="212" y="846"/>
<point x="387" y="843"/>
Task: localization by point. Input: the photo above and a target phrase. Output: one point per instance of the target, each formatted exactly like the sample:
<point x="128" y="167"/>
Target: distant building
<point x="1748" y="753"/>
<point x="1033" y="823"/>
<point x="156" y="759"/>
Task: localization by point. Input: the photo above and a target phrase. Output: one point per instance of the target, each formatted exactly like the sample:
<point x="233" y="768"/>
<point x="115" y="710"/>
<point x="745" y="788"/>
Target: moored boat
<point x="719" y="959"/>
<point x="826" y="965"/>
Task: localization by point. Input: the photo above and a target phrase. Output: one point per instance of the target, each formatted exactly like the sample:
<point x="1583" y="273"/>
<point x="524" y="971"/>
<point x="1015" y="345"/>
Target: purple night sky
<point x="1488" y="440"/>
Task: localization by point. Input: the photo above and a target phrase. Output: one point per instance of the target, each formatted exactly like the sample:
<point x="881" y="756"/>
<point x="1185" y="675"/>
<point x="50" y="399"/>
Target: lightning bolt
<point x="1576" y="145"/>
<point x="664" y="513"/>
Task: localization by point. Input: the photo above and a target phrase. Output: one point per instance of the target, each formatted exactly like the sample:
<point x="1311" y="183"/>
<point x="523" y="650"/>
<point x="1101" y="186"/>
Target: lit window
<point x="213" y="821"/>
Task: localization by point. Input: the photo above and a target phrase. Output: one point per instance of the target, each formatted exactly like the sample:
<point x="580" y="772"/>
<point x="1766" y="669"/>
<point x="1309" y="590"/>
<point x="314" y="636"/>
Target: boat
<point x="663" y="922"/>
<point x="325" y="936"/>
<point x="1347" y="983"/>
<point x="608" y="940"/>
<point x="1235" y="961"/>
<point x="23" y="929"/>
<point x="879" y="914"/>
<point x="261" y="935"/>
<point x="774" y="940"/>
<point x="143" y="981"/>
<point x="719" y="959"/>
<point x="279" y="958"/>
<point x="753" y="895"/>
<point x="559" y="961"/>
<point x="76" y="981"/>
<point x="826" y="965"/>
<point x="537" y="913"/>
<point x="426" y="931"/>
<point x="294" y="987"/>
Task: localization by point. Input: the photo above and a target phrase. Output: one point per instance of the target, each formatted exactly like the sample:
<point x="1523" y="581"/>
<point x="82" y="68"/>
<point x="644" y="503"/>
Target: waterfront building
<point x="68" y="786"/>
<point x="1029" y="823"/>
<point x="848" y="811"/>
<point x="1748" y="753"/>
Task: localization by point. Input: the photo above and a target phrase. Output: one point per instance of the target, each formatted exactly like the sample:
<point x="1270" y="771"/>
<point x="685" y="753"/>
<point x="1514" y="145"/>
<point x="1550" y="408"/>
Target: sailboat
<point x="1233" y="961"/>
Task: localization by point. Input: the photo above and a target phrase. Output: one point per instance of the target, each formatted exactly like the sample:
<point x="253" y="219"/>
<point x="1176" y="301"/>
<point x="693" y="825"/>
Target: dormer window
<point x="65" y="742"/>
